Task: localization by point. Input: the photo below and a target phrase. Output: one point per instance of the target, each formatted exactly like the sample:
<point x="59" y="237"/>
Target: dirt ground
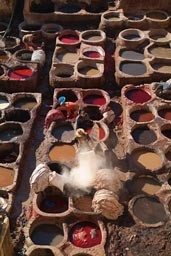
<point x="125" y="238"/>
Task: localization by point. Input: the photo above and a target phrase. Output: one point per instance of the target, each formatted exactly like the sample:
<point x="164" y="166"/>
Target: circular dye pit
<point x="92" y="54"/>
<point x="18" y="115"/>
<point x="166" y="132"/>
<point x="62" y="153"/>
<point x="141" y="115"/>
<point x="69" y="39"/>
<point x="83" y="203"/>
<point x="10" y="42"/>
<point x="145" y="184"/>
<point x="42" y="252"/>
<point x="165" y="113"/>
<point x="143" y="135"/>
<point x="156" y="15"/>
<point x="147" y="159"/>
<point x="132" y="36"/>
<point x="69" y="8"/>
<point x="24" y="55"/>
<point x="92" y="37"/>
<point x="159" y="36"/>
<point x="25" y="103"/>
<point x="54" y="204"/>
<point x="8" y="133"/>
<point x="161" y="67"/>
<point x="4" y="56"/>
<point x="64" y="70"/>
<point x="68" y="94"/>
<point x="133" y="68"/>
<point x="112" y="16"/>
<point x="89" y="71"/>
<point x="8" y="152"/>
<point x="1" y="72"/>
<point x="3" y="102"/>
<point x="85" y="235"/>
<point x="20" y="73"/>
<point x="135" y="17"/>
<point x="63" y="133"/>
<point x="101" y="133"/>
<point x="47" y="234"/>
<point x="7" y="176"/>
<point x="163" y="52"/>
<point x="149" y="210"/>
<point x="29" y="28"/>
<point x="138" y="95"/>
<point x="67" y="56"/>
<point x="94" y="99"/>
<point x="132" y="55"/>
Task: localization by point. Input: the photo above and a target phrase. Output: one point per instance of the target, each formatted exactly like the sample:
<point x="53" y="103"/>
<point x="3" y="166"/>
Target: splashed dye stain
<point x="144" y="135"/>
<point x="149" y="210"/>
<point x="142" y="115"/>
<point x="47" y="234"/>
<point x="20" y="74"/>
<point x="85" y="235"/>
<point x="94" y="99"/>
<point x="69" y="39"/>
<point x="7" y="176"/>
<point x="138" y="95"/>
<point x="54" y="204"/>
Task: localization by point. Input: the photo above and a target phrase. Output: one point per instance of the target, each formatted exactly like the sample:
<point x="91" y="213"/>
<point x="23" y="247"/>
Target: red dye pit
<point x="92" y="54"/>
<point x="54" y="204"/>
<point x="20" y="74"/>
<point x="138" y="95"/>
<point x="101" y="133"/>
<point x="95" y="100"/>
<point x="85" y="235"/>
<point x="69" y="39"/>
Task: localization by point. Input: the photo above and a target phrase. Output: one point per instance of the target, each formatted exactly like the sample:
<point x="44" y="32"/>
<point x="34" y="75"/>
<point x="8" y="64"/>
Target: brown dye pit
<point x="165" y="113"/>
<point x="167" y="133"/>
<point x="89" y="71"/>
<point x="54" y="204"/>
<point x="91" y="37"/>
<point x="112" y="18"/>
<point x="69" y="8"/>
<point x="162" y="68"/>
<point x="149" y="210"/>
<point x="7" y="176"/>
<point x="63" y="133"/>
<point x="145" y="185"/>
<point x="159" y="37"/>
<point x="132" y="68"/>
<point x="132" y="37"/>
<point x="25" y="103"/>
<point x="47" y="234"/>
<point x="143" y="135"/>
<point x="142" y="115"/>
<point x="161" y="52"/>
<point x="132" y="55"/>
<point x="135" y="17"/>
<point x="3" y="102"/>
<point x="10" y="42"/>
<point x="156" y="15"/>
<point x="83" y="203"/>
<point x="62" y="153"/>
<point x="41" y="252"/>
<point x="147" y="159"/>
<point x="3" y="57"/>
<point x="67" y="57"/>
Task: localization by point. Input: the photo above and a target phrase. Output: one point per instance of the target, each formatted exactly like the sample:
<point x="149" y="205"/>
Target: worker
<point x="72" y="108"/>
<point x="33" y="41"/>
<point x="83" y="120"/>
